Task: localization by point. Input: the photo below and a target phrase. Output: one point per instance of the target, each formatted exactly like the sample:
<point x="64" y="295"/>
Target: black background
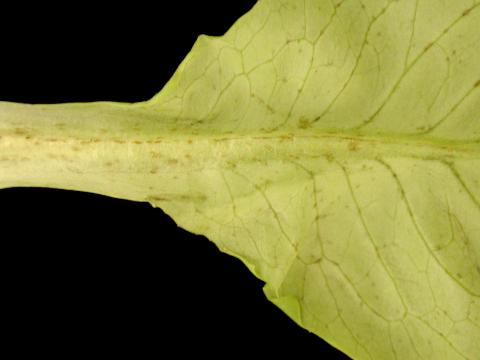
<point x="91" y="275"/>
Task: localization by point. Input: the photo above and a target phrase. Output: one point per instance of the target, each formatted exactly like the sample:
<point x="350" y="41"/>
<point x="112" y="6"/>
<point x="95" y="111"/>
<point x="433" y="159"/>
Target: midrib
<point x="29" y="156"/>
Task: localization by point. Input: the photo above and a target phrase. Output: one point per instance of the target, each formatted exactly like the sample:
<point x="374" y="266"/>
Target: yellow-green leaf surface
<point x="333" y="146"/>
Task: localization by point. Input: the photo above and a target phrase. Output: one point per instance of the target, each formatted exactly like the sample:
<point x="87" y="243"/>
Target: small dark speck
<point x="156" y="198"/>
<point x="304" y="123"/>
<point x="428" y="47"/>
<point x="477" y="84"/>
<point x="20" y="131"/>
<point x="466" y="12"/>
<point x="353" y="145"/>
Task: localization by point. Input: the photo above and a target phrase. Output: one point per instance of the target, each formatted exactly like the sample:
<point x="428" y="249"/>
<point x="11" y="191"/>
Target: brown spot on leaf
<point x="304" y="123"/>
<point x="20" y="131"/>
<point x="172" y="161"/>
<point x="466" y="12"/>
<point x="138" y="142"/>
<point x="353" y="145"/>
<point x="329" y="156"/>
<point x="286" y="137"/>
<point x="156" y="198"/>
<point x="477" y="84"/>
<point x="428" y="47"/>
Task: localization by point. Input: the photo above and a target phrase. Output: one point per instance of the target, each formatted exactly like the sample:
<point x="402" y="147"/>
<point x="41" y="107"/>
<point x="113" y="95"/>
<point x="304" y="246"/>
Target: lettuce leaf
<point x="332" y="146"/>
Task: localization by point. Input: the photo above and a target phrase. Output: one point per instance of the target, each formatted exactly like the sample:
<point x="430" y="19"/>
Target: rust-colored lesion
<point x="353" y="145"/>
<point x="176" y="197"/>
<point x="90" y="141"/>
<point x="156" y="198"/>
<point x="467" y="11"/>
<point x="426" y="48"/>
<point x="304" y="124"/>
<point x="329" y="156"/>
<point x="20" y="131"/>
<point x="286" y="137"/>
<point x="155" y="155"/>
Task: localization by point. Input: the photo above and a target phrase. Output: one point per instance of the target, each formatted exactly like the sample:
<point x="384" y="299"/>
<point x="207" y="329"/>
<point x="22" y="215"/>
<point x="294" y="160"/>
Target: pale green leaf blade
<point x="373" y="241"/>
<point x="333" y="146"/>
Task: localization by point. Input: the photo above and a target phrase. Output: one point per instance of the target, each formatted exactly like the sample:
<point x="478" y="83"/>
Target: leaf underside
<point x="334" y="147"/>
<point x="371" y="239"/>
